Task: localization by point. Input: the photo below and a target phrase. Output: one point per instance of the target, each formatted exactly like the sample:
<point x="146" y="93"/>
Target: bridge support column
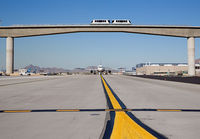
<point x="191" y="56"/>
<point x="9" y="55"/>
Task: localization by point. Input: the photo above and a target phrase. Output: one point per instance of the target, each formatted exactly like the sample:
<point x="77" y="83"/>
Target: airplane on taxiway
<point x="101" y="70"/>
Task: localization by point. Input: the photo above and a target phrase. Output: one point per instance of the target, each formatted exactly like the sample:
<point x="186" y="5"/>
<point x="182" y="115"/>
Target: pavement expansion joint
<point x="25" y="82"/>
<point x="96" y="110"/>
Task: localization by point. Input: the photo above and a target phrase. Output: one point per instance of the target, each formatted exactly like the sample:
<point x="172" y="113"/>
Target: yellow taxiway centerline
<point x="125" y="127"/>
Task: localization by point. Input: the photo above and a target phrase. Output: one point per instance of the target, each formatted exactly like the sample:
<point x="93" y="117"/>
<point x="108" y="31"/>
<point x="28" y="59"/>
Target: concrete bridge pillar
<point x="9" y="55"/>
<point x="191" y="56"/>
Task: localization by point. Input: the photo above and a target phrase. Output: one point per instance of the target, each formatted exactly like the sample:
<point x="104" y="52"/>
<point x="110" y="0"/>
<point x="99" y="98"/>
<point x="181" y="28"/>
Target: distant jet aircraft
<point x="101" y="70"/>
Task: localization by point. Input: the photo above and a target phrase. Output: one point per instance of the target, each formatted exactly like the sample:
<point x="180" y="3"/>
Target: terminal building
<point x="164" y="69"/>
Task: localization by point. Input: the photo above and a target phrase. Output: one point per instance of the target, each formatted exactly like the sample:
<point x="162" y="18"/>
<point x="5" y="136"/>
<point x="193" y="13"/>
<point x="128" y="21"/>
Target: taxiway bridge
<point x="11" y="32"/>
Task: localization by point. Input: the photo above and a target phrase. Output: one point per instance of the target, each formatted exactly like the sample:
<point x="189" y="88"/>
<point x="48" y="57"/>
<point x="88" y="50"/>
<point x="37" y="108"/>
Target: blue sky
<point x="83" y="49"/>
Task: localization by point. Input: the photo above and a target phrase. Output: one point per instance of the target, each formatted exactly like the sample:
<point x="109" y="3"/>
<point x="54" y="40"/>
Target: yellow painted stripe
<point x="109" y="110"/>
<point x="67" y="110"/>
<point x="125" y="127"/>
<point x="17" y="111"/>
<point x="167" y="110"/>
<point x="113" y="100"/>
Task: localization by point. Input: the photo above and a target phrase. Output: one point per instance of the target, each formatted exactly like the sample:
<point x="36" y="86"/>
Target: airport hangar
<point x="11" y="32"/>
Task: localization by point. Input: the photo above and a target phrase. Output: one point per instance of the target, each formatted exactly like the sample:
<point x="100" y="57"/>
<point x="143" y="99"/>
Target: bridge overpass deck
<point x="37" y="30"/>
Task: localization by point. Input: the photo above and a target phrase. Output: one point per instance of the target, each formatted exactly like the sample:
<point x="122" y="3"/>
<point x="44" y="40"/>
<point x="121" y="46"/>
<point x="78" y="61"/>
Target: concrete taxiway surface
<point x="147" y="93"/>
<point x="86" y="92"/>
<point x="70" y="92"/>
